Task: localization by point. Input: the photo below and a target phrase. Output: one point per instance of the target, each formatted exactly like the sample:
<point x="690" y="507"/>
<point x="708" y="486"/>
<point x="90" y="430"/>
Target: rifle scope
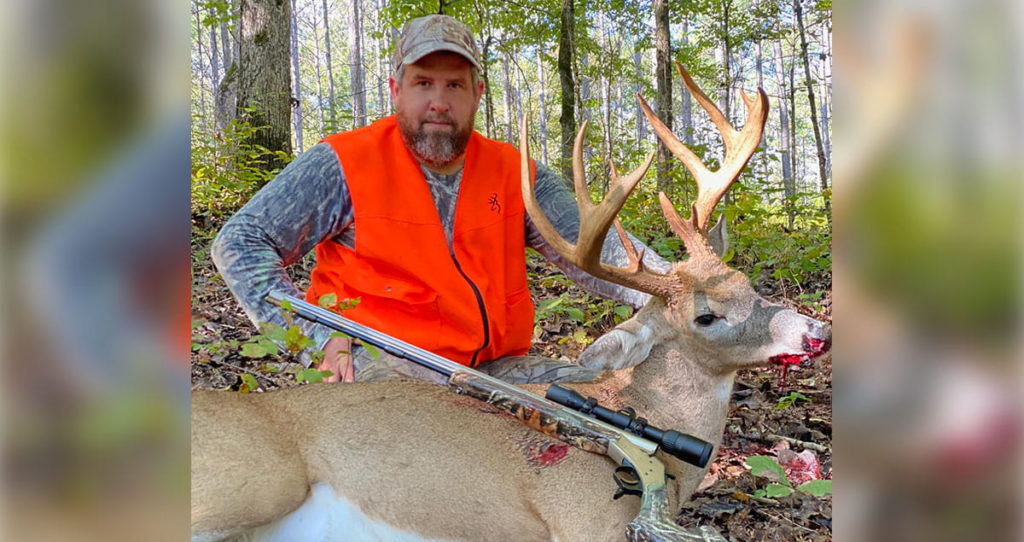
<point x="685" y="447"/>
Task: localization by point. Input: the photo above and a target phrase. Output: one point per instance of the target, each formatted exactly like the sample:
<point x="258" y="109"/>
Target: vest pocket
<point x="401" y="308"/>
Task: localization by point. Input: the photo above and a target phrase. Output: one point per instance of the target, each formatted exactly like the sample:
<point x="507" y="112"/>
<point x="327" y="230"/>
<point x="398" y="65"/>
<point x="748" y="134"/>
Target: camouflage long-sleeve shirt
<point x="309" y="202"/>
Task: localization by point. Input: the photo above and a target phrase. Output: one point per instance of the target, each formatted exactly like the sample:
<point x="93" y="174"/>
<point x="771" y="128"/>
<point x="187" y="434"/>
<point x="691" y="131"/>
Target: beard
<point x="435" y="148"/>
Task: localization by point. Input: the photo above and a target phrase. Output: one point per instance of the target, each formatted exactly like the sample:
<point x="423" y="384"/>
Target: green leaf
<point x="252" y="350"/>
<point x="818" y="488"/>
<point x="273" y="331"/>
<point x="575" y="314"/>
<point x="339" y="335"/>
<point x="760" y="465"/>
<point x="623" y="311"/>
<point x="269" y="346"/>
<point x="311" y="375"/>
<point x="776" y="490"/>
<point x="730" y="253"/>
<point x="249" y="383"/>
<point x="374" y="352"/>
<point x="328" y="301"/>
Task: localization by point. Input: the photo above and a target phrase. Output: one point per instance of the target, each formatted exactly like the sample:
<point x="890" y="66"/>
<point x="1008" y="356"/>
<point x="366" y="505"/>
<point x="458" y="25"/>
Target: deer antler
<point x="711" y="185"/>
<point x="595" y="219"/>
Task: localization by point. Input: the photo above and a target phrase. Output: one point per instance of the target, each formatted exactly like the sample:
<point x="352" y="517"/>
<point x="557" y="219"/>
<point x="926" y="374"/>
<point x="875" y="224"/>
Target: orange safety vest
<point x="469" y="304"/>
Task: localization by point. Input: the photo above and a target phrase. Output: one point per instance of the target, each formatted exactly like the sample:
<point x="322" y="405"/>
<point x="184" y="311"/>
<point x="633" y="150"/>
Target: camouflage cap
<point x="425" y="35"/>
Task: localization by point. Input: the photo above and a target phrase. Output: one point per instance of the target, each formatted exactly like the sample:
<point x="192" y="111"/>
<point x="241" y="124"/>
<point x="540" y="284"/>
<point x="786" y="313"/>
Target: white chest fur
<point x="324" y="517"/>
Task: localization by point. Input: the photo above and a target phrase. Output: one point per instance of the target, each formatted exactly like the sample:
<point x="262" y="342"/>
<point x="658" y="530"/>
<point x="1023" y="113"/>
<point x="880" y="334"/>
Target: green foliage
<point x="311" y="375"/>
<point x="791" y="399"/>
<point x="226" y="169"/>
<point x="767" y="467"/>
<point x="249" y="384"/>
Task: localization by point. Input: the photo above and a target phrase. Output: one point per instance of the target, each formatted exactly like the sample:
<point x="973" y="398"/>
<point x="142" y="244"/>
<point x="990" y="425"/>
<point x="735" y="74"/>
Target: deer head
<point x="703" y="314"/>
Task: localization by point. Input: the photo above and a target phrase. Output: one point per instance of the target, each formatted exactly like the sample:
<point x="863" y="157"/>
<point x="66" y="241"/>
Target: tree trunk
<point x="214" y="55"/>
<point x="542" y="105"/>
<point x="319" y="77"/>
<point x="793" y="156"/>
<point x="663" y="77"/>
<point x="201" y="71"/>
<point x="686" y="114"/>
<point x="356" y="52"/>
<point x="225" y="99"/>
<point x="823" y="175"/>
<point x="331" y="114"/>
<point x="826" y="95"/>
<point x="383" y="67"/>
<point x="488" y="95"/>
<point x="225" y="45"/>
<point x="510" y="131"/>
<point x="263" y="79"/>
<point x="788" y="186"/>
<point x="567" y="121"/>
<point x="296" y="82"/>
<point x="606" y="105"/>
<point x="725" y="95"/>
<point x="641" y="122"/>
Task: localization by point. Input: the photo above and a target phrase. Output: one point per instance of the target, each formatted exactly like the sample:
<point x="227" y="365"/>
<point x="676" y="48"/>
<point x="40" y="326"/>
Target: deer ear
<point x="718" y="236"/>
<point x="625" y="346"/>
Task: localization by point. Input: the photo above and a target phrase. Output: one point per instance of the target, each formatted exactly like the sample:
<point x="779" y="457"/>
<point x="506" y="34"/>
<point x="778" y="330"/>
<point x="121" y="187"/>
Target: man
<point x="417" y="215"/>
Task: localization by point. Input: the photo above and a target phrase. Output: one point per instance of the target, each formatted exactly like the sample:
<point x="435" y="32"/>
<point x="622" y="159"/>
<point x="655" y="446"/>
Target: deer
<point x="409" y="460"/>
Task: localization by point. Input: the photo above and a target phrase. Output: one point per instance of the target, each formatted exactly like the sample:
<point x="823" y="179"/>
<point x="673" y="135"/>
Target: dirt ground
<point x="799" y="435"/>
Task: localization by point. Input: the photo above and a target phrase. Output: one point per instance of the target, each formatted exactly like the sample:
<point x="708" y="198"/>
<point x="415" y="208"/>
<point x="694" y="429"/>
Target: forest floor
<point x="765" y="419"/>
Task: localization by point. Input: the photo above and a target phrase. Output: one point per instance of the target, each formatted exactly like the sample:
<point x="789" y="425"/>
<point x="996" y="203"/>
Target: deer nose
<point x="818" y="339"/>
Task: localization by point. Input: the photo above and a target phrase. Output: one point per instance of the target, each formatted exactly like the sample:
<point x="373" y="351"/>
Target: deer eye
<point x="705" y="319"/>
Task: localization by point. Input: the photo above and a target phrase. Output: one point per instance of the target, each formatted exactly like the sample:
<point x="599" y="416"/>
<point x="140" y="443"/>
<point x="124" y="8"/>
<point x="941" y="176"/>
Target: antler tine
<point x="739" y="147"/>
<point x="595" y="219"/>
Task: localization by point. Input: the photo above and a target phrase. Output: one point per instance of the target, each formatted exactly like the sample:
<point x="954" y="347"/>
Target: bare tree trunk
<point x="225" y="45"/>
<point x="510" y="132"/>
<point x="826" y="95"/>
<point x="663" y="77"/>
<point x="356" y="52"/>
<point x="725" y="92"/>
<point x="686" y="115"/>
<point x="796" y="159"/>
<point x="296" y="82"/>
<point x="331" y="114"/>
<point x="319" y="78"/>
<point x="202" y="67"/>
<point x="566" y="46"/>
<point x="488" y="95"/>
<point x="264" y="83"/>
<point x="214" y="55"/>
<point x="641" y="122"/>
<point x="226" y="93"/>
<point x="823" y="175"/>
<point x="543" y="106"/>
<point x="383" y="69"/>
<point x="788" y="186"/>
<point x="606" y="106"/>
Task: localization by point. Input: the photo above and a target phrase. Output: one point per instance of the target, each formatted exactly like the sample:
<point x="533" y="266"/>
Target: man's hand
<point x="338" y="360"/>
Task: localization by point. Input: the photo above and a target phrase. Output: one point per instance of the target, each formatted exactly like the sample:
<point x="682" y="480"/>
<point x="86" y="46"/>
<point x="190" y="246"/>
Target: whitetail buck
<point x="406" y="460"/>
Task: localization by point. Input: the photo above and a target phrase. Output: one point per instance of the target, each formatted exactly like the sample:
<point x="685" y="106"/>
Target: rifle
<point x="562" y="414"/>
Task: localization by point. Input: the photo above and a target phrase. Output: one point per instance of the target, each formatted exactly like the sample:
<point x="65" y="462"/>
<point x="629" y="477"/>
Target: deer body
<point x="406" y="460"/>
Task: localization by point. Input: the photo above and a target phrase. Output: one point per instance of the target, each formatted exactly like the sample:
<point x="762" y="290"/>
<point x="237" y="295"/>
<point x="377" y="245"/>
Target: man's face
<point x="436" y="101"/>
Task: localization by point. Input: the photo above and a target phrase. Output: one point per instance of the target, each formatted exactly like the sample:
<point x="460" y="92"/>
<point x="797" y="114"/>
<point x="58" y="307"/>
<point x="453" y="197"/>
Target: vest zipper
<point x="480" y="304"/>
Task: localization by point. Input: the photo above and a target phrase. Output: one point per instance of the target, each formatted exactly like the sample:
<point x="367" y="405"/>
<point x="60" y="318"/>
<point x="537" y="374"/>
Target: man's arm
<point x="306" y="203"/>
<point x="559" y="205"/>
